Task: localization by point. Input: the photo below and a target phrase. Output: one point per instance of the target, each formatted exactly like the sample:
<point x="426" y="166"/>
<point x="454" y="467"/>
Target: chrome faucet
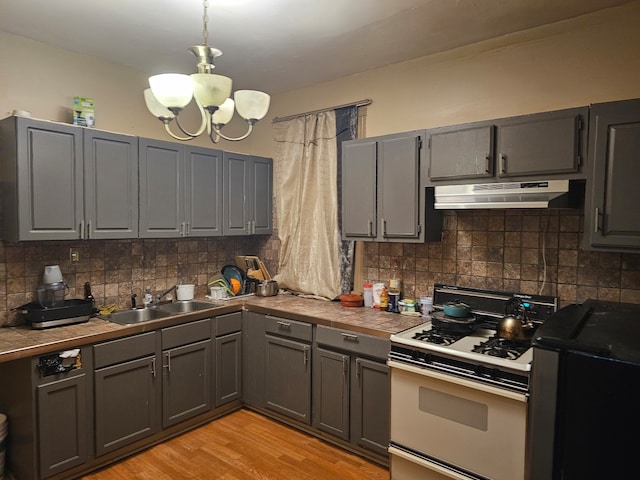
<point x="133" y="300"/>
<point x="166" y="292"/>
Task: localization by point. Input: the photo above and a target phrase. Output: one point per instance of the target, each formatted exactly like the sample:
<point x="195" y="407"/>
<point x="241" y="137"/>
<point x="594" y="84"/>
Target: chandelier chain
<point x="205" y="21"/>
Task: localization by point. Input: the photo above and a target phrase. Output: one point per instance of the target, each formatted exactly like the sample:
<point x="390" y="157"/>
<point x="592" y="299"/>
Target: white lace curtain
<point x="305" y="167"/>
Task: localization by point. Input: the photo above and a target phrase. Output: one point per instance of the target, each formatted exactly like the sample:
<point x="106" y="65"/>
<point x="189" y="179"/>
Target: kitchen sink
<point x="138" y="315"/>
<point x="186" y="306"/>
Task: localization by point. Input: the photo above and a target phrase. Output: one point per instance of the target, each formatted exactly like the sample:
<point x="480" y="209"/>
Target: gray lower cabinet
<point x="288" y="367"/>
<point x="351" y="388"/>
<point x="228" y="358"/>
<point x="50" y="414"/>
<point x="383" y="194"/>
<point x="612" y="222"/>
<point x="253" y="355"/>
<point x="248" y="192"/>
<point x="180" y="190"/>
<point x="127" y="391"/>
<point x="549" y="144"/>
<point x="63" y="182"/>
<point x="186" y="371"/>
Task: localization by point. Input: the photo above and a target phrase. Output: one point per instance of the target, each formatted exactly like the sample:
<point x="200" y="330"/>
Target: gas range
<point x="479" y="354"/>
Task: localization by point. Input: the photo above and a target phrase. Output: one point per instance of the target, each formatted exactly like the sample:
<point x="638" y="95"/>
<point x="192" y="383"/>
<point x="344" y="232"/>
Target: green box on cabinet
<point x="84" y="112"/>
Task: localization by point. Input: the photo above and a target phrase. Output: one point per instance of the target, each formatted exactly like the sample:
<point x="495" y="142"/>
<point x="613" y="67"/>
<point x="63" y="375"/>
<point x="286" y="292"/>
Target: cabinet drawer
<point x="353" y="342"/>
<point x="289" y="328"/>
<point x="186" y="333"/>
<point x="124" y="349"/>
<point x="230" y="323"/>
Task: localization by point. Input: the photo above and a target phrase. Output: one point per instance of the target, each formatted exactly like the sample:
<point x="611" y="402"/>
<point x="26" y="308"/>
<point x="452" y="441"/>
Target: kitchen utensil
<point x="267" y="288"/>
<point x="185" y="292"/>
<point x="233" y="272"/>
<point x="70" y="311"/>
<point x="456" y="309"/>
<point x="515" y="324"/>
<point x="351" y="300"/>
<point x="51" y="294"/>
<point x="452" y="324"/>
<point x="52" y="274"/>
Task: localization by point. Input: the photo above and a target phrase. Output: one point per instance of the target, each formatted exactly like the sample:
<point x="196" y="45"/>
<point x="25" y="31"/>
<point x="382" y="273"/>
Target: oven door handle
<point x="427" y="464"/>
<point x="426" y="372"/>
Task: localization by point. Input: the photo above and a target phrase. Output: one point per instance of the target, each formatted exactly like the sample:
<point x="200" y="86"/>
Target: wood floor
<point x="243" y="446"/>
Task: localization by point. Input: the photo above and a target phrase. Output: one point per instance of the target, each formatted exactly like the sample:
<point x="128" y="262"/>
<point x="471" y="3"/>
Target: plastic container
<point x="368" y="294"/>
<point x="185" y="292"/>
<point x="426" y="305"/>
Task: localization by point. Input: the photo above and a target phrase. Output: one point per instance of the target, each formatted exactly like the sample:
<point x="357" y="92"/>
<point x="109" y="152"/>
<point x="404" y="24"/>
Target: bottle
<point x="395" y="280"/>
<point x="368" y="294"/>
<point x="87" y="293"/>
<point x="384" y="299"/>
<point x="148" y="297"/>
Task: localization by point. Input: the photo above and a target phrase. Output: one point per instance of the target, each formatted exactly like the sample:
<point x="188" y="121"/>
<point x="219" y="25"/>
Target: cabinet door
<point x="331" y="392"/>
<point x="262" y="196"/>
<point x="50" y="197"/>
<point x="203" y="192"/>
<point x="288" y="378"/>
<point x="371" y="405"/>
<point x="186" y="382"/>
<point x="161" y="189"/>
<point x="612" y="220"/>
<point x="110" y="185"/>
<point x="236" y="188"/>
<point x="461" y="153"/>
<point x="253" y="356"/>
<point x="126" y="404"/>
<point x="399" y="195"/>
<point x="359" y="174"/>
<point x="62" y="426"/>
<point x="542" y="144"/>
<point x="228" y="368"/>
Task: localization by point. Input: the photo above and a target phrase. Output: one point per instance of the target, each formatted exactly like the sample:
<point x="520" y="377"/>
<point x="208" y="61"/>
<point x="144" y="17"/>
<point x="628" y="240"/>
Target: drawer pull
<point x="284" y="324"/>
<point x="349" y="336"/>
<point x="168" y="365"/>
<point x="153" y="366"/>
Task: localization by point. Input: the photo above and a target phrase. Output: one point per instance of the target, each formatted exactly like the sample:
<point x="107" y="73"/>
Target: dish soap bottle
<point x="148" y="298"/>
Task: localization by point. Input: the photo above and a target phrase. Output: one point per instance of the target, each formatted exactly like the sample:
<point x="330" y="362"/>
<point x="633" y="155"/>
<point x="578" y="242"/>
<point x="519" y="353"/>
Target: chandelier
<point x="170" y="93"/>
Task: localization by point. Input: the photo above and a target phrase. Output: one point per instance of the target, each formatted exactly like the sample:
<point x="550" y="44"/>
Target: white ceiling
<point x="277" y="45"/>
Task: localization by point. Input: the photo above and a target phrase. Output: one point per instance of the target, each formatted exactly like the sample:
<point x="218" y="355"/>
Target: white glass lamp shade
<point x="252" y="104"/>
<point x="155" y="107"/>
<point x="223" y="115"/>
<point x="210" y="90"/>
<point x="172" y="90"/>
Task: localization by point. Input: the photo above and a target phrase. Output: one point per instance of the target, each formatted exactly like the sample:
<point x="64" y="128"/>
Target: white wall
<point x="590" y="59"/>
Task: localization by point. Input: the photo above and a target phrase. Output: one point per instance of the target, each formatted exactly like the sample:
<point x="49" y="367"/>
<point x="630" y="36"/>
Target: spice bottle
<point x="384" y="299"/>
<point x="395" y="280"/>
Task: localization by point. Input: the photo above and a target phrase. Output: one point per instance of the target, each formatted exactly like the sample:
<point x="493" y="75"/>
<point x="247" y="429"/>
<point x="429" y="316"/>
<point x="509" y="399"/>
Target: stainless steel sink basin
<point x="186" y="306"/>
<point x="139" y="315"/>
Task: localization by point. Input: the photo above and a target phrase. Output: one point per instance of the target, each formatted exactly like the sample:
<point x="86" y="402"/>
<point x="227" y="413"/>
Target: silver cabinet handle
<point x="253" y="227"/>
<point x="153" y="366"/>
<point x="488" y="164"/>
<point x="345" y="365"/>
<point x="81" y="230"/>
<point x="370" y="228"/>
<point x="349" y="336"/>
<point x="168" y="365"/>
<point x="596" y="221"/>
<point x="89" y="229"/>
<point x="284" y="324"/>
<point x="188" y="229"/>
<point x="306" y="356"/>
<point x="383" y="225"/>
<point x="503" y="163"/>
<point x="358" y="368"/>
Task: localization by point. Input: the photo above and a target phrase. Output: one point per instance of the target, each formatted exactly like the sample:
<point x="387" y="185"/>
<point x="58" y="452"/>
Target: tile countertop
<point x="23" y="341"/>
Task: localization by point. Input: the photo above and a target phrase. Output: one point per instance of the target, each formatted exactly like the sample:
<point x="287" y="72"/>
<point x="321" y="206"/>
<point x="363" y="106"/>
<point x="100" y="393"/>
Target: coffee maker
<point x="51" y="292"/>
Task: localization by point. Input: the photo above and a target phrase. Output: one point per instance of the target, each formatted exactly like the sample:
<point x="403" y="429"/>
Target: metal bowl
<point x="267" y="288"/>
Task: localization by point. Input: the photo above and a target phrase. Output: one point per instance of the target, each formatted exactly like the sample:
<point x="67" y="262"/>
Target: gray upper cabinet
<point x="383" y="194"/>
<point x="611" y="220"/>
<point x="62" y="182"/>
<point x="247" y="202"/>
<point x="461" y="153"/>
<point x="180" y="190"/>
<point x="549" y="144"/>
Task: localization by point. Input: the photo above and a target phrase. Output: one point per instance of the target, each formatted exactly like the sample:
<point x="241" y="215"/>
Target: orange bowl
<point x="351" y="300"/>
<point x="235" y="285"/>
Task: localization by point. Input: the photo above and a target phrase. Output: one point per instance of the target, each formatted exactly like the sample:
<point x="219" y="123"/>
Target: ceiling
<point x="277" y="45"/>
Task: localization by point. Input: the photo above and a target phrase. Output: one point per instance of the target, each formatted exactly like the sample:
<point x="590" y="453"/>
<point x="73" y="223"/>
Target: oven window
<point x="460" y="410"/>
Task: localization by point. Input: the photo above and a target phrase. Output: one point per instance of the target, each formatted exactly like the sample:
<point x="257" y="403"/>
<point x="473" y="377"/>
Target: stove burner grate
<point x="438" y="336"/>
<point x="503" y="348"/>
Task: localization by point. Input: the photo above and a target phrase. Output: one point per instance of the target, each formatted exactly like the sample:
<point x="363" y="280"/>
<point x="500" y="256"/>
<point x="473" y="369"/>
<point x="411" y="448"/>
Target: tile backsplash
<point x="118" y="268"/>
<point x="511" y="250"/>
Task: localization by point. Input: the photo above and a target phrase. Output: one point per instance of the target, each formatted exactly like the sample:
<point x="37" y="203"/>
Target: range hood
<point x="541" y="194"/>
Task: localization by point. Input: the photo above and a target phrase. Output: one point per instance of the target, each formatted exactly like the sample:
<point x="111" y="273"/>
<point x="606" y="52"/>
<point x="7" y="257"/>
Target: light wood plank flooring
<point x="243" y="446"/>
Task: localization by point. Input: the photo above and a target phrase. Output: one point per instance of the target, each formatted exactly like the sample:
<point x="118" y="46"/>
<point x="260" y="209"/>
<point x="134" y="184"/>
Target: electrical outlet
<point x="74" y="255"/>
